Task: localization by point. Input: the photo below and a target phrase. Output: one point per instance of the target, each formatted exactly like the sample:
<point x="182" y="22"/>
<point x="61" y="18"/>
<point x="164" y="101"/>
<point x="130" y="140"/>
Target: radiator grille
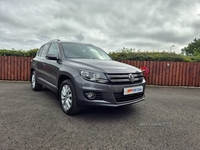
<point x="124" y="78"/>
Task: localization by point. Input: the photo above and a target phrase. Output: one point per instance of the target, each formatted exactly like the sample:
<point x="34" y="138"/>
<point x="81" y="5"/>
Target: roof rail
<point x="54" y="40"/>
<point x="90" y="44"/>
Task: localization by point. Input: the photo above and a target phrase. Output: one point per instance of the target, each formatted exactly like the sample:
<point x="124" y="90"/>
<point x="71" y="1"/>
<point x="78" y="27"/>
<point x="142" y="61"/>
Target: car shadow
<point x="97" y="113"/>
<point x="101" y="114"/>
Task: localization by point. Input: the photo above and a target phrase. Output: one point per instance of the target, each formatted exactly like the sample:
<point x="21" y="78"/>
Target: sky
<point x="143" y="25"/>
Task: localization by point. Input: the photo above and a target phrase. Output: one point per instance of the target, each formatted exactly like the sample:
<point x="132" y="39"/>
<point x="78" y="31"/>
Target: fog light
<point x="90" y="95"/>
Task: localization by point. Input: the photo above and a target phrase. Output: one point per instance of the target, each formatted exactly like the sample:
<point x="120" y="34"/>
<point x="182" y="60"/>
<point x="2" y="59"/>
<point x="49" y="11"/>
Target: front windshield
<point x="81" y="51"/>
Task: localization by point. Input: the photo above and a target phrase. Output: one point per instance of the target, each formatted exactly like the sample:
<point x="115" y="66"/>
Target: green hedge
<point x="124" y="54"/>
<point x="30" y="53"/>
<point x="153" y="56"/>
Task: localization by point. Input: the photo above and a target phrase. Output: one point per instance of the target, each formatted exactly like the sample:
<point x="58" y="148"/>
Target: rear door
<point x="40" y="64"/>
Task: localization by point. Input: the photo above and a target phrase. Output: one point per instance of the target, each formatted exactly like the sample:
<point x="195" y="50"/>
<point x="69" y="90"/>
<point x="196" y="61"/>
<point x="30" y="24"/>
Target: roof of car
<point x="70" y="42"/>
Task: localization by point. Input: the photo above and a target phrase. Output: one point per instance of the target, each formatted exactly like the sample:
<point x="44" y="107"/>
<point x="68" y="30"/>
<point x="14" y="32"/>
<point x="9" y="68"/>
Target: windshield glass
<point x="81" y="51"/>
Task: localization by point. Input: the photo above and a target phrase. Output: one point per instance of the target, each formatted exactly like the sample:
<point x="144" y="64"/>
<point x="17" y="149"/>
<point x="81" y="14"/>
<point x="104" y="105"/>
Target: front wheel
<point x="67" y="96"/>
<point x="34" y="85"/>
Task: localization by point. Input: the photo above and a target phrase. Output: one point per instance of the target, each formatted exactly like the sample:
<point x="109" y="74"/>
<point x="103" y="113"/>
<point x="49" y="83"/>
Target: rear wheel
<point x="67" y="96"/>
<point x="34" y="85"/>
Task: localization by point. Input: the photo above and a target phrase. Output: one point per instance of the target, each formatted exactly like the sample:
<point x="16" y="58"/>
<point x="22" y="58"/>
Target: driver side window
<point x="53" y="49"/>
<point x="43" y="53"/>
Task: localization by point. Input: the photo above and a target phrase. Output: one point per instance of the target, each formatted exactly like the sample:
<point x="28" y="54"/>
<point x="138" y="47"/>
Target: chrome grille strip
<point x="118" y="78"/>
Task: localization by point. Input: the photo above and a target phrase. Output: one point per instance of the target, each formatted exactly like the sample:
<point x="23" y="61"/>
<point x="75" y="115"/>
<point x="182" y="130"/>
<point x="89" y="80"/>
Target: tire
<point x="67" y="97"/>
<point x="34" y="85"/>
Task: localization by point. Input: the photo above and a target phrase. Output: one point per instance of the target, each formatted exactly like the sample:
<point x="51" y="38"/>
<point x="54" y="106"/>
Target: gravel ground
<point x="168" y="119"/>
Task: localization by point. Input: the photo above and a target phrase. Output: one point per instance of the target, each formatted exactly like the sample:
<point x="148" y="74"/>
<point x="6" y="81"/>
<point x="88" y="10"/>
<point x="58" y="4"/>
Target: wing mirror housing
<point x="52" y="57"/>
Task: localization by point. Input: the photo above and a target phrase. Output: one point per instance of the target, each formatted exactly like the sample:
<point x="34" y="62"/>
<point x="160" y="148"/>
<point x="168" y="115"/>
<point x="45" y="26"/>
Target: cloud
<point x="108" y="24"/>
<point x="4" y="31"/>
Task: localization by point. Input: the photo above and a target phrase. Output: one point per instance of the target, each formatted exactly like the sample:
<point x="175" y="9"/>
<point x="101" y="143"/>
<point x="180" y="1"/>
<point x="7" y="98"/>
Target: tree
<point x="197" y="51"/>
<point x="193" y="48"/>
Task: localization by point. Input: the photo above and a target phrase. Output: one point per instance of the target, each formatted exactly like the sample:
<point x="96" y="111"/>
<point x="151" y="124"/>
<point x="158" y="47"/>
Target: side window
<point x="53" y="49"/>
<point x="40" y="51"/>
<point x="45" y="50"/>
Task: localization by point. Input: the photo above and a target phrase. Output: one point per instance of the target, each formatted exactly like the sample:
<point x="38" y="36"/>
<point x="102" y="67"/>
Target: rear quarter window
<point x="40" y="51"/>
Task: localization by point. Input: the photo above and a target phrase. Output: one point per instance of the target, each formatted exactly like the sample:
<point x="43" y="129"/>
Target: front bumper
<point x="108" y="95"/>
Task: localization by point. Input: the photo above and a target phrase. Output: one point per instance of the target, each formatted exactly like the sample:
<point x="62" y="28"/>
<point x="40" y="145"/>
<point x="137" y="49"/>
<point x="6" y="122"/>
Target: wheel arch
<point x="65" y="76"/>
<point x="31" y="71"/>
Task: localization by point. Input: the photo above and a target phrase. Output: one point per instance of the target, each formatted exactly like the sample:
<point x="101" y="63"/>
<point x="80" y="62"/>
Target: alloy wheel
<point x="66" y="97"/>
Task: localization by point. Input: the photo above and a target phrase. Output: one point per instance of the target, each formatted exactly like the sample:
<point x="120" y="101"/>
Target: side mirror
<point x="52" y="57"/>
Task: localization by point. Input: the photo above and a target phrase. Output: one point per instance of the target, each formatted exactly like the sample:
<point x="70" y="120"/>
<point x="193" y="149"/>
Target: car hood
<point x="106" y="66"/>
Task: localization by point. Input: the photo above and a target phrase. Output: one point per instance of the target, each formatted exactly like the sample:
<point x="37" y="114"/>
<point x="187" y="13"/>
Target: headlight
<point x="93" y="76"/>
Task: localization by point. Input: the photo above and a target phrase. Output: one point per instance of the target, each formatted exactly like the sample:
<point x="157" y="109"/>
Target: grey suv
<point x="84" y="75"/>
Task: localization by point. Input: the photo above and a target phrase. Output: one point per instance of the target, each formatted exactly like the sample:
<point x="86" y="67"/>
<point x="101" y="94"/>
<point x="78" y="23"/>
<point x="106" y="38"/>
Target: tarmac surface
<point x="168" y="119"/>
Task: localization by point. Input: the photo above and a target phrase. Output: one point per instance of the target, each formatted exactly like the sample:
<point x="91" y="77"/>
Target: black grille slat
<point x="98" y="96"/>
<point x="119" y="97"/>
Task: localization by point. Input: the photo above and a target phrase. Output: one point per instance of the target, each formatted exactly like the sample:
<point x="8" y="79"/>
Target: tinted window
<point x="45" y="50"/>
<point x="53" y="49"/>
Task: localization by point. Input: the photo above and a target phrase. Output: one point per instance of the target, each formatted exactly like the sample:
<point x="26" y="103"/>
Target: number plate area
<point x="133" y="90"/>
